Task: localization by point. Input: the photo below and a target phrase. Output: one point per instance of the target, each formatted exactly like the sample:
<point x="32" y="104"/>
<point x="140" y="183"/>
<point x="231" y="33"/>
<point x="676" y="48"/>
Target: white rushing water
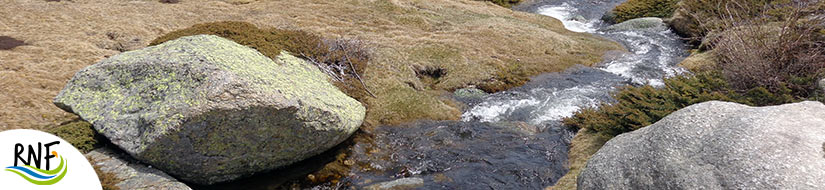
<point x="572" y="22"/>
<point x="652" y="55"/>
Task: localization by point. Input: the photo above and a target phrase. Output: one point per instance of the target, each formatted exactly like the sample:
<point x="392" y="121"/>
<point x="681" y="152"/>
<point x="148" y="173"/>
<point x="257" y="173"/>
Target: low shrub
<point x="641" y="8"/>
<point x="79" y="133"/>
<point x="781" y="50"/>
<point x="637" y="107"/>
<point x="345" y="61"/>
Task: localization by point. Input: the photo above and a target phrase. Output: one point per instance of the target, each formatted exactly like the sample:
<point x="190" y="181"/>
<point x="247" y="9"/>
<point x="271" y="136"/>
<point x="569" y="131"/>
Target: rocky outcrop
<point x="132" y="175"/>
<point x="207" y="110"/>
<point x="717" y="145"/>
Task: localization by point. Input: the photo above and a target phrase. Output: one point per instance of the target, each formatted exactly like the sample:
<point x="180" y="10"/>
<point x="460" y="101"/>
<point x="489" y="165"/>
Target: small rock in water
<point x="403" y="183"/>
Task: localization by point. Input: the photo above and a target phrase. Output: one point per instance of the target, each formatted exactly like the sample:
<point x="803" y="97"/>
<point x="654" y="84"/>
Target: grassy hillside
<point x="466" y="42"/>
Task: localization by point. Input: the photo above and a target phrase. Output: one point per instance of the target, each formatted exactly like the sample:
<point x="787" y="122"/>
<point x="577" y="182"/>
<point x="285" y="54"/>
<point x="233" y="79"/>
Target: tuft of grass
<point x="584" y="145"/>
<point x="641" y="8"/>
<point x="343" y="60"/>
<point x="505" y="78"/>
<point x="79" y="133"/>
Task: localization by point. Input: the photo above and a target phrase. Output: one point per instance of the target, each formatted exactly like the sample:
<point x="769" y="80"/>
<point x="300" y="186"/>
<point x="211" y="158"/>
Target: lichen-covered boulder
<point x="717" y="145"/>
<point x="207" y="110"/>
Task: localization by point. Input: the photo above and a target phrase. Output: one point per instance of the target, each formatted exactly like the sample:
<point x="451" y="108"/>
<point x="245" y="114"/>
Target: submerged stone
<point x="208" y="110"/>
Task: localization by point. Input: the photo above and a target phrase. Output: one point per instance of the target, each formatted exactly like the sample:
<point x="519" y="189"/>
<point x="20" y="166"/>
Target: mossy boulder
<point x="208" y="110"/>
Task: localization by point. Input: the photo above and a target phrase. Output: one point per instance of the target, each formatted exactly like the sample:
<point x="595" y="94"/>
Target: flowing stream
<point x="512" y="139"/>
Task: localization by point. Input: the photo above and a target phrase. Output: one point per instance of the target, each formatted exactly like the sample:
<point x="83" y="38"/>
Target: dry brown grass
<point x="585" y="144"/>
<point x="472" y="41"/>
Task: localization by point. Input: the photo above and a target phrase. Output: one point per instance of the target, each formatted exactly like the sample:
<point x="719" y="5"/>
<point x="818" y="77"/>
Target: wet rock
<point x="682" y="24"/>
<point x="403" y="183"/>
<point x="132" y="174"/>
<point x="717" y="145"/>
<point x="469" y="93"/>
<point x="205" y="109"/>
<point x="647" y="23"/>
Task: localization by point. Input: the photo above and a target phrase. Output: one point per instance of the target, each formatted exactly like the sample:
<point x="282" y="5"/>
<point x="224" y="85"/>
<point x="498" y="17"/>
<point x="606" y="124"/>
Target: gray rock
<point x="822" y="85"/>
<point x="132" y="174"/>
<point x="469" y="93"/>
<point x="205" y="109"/>
<point x="646" y="23"/>
<point x="717" y="145"/>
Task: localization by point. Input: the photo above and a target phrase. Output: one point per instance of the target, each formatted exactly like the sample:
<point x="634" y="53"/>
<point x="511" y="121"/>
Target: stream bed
<point x="508" y="140"/>
<point x="514" y="139"/>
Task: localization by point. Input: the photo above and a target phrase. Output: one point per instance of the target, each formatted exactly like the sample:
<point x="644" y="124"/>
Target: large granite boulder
<point x="207" y="110"/>
<point x="717" y="145"/>
<point x="132" y="175"/>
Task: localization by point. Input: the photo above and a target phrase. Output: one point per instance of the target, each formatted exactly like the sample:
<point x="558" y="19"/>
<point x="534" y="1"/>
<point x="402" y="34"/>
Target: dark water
<point x="511" y="139"/>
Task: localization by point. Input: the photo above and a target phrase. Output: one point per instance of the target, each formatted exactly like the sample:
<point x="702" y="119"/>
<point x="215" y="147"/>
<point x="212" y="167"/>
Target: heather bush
<point x="639" y="106"/>
<point x="781" y="50"/>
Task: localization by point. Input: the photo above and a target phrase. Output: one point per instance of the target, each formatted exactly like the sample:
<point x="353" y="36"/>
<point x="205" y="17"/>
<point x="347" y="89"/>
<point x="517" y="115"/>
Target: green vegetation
<point x="504" y="3"/>
<point x="343" y="60"/>
<point x="637" y="107"/>
<point x="641" y="8"/>
<point x="79" y="133"/>
<point x="754" y="52"/>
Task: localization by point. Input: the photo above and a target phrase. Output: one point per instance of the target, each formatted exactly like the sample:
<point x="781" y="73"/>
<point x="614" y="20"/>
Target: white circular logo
<point x="32" y="159"/>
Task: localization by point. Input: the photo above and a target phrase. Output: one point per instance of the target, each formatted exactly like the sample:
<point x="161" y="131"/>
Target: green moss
<point x="506" y="78"/>
<point x="642" y="8"/>
<point x="79" y="133"/>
